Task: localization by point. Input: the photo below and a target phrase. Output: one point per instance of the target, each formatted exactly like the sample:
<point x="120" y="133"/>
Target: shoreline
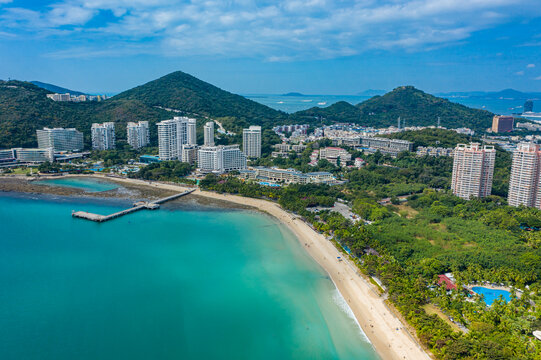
<point x="387" y="334"/>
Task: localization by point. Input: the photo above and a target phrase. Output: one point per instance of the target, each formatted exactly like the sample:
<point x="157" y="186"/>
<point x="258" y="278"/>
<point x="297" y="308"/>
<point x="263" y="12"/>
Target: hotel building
<point x="34" y="155"/>
<point x="208" y="133"/>
<point x="60" y="139"/>
<point x="334" y="155"/>
<point x="502" y="123"/>
<point x="524" y="181"/>
<point x="251" y="142"/>
<point x="473" y="168"/>
<point x="287" y="176"/>
<point x="138" y="134"/>
<point x="173" y="134"/>
<point x="220" y="159"/>
<point x="103" y="136"/>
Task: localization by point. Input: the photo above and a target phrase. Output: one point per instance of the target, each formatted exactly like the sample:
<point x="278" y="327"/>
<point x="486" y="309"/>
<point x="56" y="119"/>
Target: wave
<point x="343" y="305"/>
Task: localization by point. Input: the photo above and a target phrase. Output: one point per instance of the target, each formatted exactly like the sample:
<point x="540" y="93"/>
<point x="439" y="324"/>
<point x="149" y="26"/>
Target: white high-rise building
<point x="524" y="182"/>
<point x="138" y="134"/>
<point x="209" y="133"/>
<point x="174" y="133"/>
<point x="251" y="142"/>
<point x="473" y="169"/>
<point x="220" y="159"/>
<point x="60" y="139"/>
<point x="103" y="136"/>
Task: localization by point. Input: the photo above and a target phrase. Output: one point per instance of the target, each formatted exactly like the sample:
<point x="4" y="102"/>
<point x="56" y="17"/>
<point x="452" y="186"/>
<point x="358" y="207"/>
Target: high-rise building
<point x="528" y="106"/>
<point x="60" y="139"/>
<point x="174" y="133"/>
<point x="138" y="134"/>
<point x="209" y="134"/>
<point x="251" y="142"/>
<point x="473" y="168"/>
<point x="220" y="159"/>
<point x="103" y="136"/>
<point x="502" y="123"/>
<point x="524" y="181"/>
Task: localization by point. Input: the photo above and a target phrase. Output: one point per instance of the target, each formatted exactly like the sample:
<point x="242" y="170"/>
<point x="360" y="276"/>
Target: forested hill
<point x="184" y="92"/>
<point x="414" y="106"/>
<point x="24" y="107"/>
<point x="418" y="108"/>
<point x="56" y="89"/>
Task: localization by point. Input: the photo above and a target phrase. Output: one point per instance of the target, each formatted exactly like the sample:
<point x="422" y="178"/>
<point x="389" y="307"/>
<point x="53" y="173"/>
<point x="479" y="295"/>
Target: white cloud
<point x="280" y="30"/>
<point x="530" y="66"/>
<point x="519" y="73"/>
<point x="537" y="78"/>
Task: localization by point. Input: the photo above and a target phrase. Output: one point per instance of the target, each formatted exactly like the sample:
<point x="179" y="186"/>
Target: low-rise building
<point x="384" y="145"/>
<point x="434" y="151"/>
<point x="33" y="155"/>
<point x="336" y="156"/>
<point x="359" y="163"/>
<point x="287" y="176"/>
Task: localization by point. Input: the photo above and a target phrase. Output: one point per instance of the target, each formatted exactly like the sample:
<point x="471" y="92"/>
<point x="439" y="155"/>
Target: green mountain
<point x="24" y="107"/>
<point x="184" y="92"/>
<point x="420" y="109"/>
<point x="56" y="89"/>
<point x="412" y="105"/>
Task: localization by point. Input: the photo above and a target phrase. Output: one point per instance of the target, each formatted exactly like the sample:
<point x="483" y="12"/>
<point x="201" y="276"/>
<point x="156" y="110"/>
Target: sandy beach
<point x="386" y="332"/>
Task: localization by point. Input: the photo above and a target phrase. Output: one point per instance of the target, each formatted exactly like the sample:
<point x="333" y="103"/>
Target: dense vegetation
<point x="56" y="89"/>
<point x="164" y="171"/>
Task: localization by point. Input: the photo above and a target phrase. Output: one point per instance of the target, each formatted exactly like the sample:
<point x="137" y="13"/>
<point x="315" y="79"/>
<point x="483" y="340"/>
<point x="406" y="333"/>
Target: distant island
<point x="293" y="94"/>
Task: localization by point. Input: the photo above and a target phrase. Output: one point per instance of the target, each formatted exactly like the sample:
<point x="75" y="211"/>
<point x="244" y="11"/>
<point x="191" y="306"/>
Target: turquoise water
<point x="86" y="184"/>
<point x="491" y="294"/>
<point x="176" y="283"/>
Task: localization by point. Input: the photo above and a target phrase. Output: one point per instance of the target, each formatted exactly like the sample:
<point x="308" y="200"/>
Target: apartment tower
<point x="209" y="134"/>
<point x="103" y="136"/>
<point x="251" y="142"/>
<point x="524" y="181"/>
<point x="473" y="169"/>
<point x="173" y="134"/>
<point x="138" y="134"/>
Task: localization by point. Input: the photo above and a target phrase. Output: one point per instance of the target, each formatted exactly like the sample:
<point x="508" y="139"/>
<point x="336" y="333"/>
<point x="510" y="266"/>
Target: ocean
<point x="292" y="104"/>
<point x="183" y="282"/>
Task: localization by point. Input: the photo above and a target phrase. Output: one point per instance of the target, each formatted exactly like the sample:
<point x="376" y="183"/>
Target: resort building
<point x="334" y="155"/>
<point x="473" y="169"/>
<point x="283" y="149"/>
<point x="138" y="134"/>
<point x="251" y="142"/>
<point x="359" y="163"/>
<point x="174" y="133"/>
<point x="286" y="176"/>
<point x="60" y="139"/>
<point x="33" y="155"/>
<point x="524" y="181"/>
<point x="434" y="151"/>
<point x="59" y="97"/>
<point x="103" y="136"/>
<point x="189" y="154"/>
<point x="502" y="123"/>
<point x="208" y="134"/>
<point x="386" y="146"/>
<point x="220" y="159"/>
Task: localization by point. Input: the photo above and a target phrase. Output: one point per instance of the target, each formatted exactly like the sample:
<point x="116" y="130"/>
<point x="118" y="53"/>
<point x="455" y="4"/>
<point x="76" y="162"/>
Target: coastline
<point x="387" y="334"/>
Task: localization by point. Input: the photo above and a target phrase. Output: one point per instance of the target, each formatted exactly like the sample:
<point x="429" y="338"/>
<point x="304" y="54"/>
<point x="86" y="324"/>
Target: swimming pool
<point x="491" y="294"/>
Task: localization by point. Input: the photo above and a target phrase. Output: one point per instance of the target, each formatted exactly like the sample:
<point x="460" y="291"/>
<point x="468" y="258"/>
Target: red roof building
<point x="449" y="285"/>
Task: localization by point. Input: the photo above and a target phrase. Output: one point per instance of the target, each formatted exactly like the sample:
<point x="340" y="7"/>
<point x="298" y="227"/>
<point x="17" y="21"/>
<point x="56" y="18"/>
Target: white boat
<point x="530" y="114"/>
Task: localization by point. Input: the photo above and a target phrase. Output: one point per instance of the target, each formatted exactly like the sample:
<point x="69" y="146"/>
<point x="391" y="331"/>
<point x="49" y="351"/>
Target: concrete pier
<point x="136" y="207"/>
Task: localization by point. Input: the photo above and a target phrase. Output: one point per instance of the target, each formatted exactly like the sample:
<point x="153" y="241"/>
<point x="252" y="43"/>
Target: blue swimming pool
<point x="492" y="294"/>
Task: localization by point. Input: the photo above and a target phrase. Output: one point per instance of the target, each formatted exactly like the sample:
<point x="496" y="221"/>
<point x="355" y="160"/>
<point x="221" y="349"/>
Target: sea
<point x="187" y="281"/>
<point x="291" y="104"/>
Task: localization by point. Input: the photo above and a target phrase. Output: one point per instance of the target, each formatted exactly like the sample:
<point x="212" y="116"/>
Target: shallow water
<point x="86" y="184"/>
<point x="175" y="283"/>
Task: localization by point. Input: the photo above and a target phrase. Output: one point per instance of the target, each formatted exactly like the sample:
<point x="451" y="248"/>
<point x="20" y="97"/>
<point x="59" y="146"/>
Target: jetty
<point x="140" y="205"/>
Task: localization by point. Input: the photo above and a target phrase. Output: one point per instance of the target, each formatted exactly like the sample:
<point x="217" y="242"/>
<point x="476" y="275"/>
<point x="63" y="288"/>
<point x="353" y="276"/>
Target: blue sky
<point x="244" y="46"/>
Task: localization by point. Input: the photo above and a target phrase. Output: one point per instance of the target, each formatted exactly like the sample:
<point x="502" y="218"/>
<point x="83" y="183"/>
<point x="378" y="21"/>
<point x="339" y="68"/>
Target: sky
<point x="249" y="47"/>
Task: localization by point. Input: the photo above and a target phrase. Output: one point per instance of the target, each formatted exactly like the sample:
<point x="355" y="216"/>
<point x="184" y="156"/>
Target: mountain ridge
<point x="56" y="89"/>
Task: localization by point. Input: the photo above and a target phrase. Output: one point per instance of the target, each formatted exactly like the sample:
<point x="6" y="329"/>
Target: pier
<point x="140" y="205"/>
